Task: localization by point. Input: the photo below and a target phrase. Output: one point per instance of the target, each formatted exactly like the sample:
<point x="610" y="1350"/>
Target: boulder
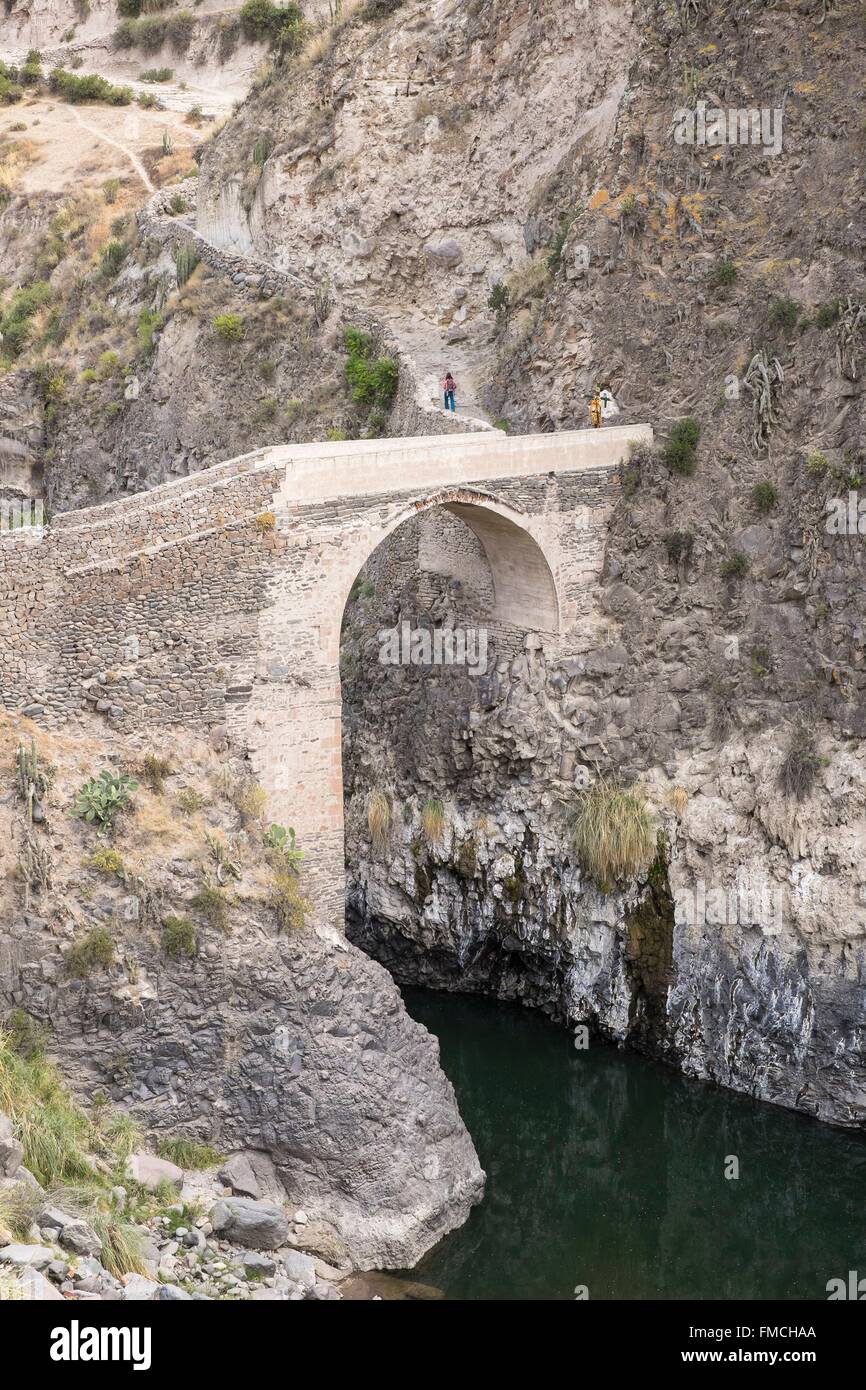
<point x="70" y="1231"/>
<point x="173" y="1293"/>
<point x="259" y="1225"/>
<point x="11" y="1152"/>
<point x="138" y="1289"/>
<point x="37" y="1287"/>
<point x="300" y="1268"/>
<point x="447" y="252"/>
<point x="151" y="1171"/>
<point x="237" y="1173"/>
<point x="34" y="1256"/>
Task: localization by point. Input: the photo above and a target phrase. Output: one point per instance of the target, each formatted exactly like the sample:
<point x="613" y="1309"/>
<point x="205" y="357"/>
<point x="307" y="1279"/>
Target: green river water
<point x="607" y="1170"/>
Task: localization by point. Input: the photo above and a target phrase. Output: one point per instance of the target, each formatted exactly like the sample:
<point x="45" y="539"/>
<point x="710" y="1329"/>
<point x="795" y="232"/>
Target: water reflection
<point x="607" y="1170"/>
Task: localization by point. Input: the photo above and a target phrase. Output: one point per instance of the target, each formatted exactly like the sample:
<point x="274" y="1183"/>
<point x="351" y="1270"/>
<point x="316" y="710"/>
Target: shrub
<point x="106" y="861"/>
<point x="229" y="328"/>
<point x="723" y="274"/>
<point x="189" y="1153"/>
<point x="736" y="566"/>
<point x="783" y="314"/>
<point x="280" y="25"/>
<point x="612" y="833"/>
<point x="94" y="952"/>
<point x="211" y="904"/>
<point x="502" y="424"/>
<point x="9" y="91"/>
<point x="800" y="764"/>
<point x="250" y="801"/>
<point x="156" y="75"/>
<point x="113" y="255"/>
<point x="15" y="322"/>
<point x="497" y="300"/>
<point x="288" y="900"/>
<point x="110" y="190"/>
<point x="147" y="100"/>
<point x="557" y="246"/>
<point x="149" y="323"/>
<point x="179" y="938"/>
<point x="102" y="797"/>
<point x="680" y="451"/>
<point x="177" y="205"/>
<point x="189" y="801"/>
<point x="828" y="313"/>
<point x="154" y="770"/>
<point x="433" y="820"/>
<point x="372" y="380"/>
<point x="90" y="88"/>
<point x="679" y="545"/>
<point x="817" y="464"/>
<point x="379" y="818"/>
<point x="765" y="496"/>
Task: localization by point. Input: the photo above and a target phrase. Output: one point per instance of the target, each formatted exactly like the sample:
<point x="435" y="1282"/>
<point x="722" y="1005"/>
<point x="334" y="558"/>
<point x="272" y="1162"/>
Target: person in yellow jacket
<point x="595" y="409"/>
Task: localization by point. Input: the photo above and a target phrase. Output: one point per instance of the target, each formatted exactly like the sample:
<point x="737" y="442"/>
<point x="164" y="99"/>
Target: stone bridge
<point x="218" y="599"/>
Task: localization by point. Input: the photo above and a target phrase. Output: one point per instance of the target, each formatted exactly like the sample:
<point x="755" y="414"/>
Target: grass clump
<point x="156" y="75"/>
<point x="113" y="256"/>
<point x="800" y="764"/>
<point x="287" y="899"/>
<point x="55" y="1132"/>
<point x="433" y="820"/>
<point x="680" y="451"/>
<point x="828" y="313"/>
<point x="612" y="833"/>
<point x="179" y="938"/>
<point x="149" y="322"/>
<point x="188" y="1153"/>
<point x="94" y="952"/>
<point x="379" y="819"/>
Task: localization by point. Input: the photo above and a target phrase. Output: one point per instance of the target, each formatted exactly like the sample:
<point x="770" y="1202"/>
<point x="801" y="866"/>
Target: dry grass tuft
<point x="612" y="833"/>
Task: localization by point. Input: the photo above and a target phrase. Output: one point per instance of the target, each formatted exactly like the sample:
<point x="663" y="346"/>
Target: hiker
<point x="595" y="409"/>
<point x="449" y="386"/>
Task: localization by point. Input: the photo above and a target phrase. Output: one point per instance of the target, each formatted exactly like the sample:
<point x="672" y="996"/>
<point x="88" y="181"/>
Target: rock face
<point x="739" y="958"/>
<point x="283" y="1045"/>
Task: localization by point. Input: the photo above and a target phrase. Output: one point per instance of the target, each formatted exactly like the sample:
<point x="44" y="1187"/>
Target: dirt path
<point x="124" y="149"/>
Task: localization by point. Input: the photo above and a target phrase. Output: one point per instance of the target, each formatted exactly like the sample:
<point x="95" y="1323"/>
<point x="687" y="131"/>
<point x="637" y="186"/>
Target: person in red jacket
<point x="449" y="386"/>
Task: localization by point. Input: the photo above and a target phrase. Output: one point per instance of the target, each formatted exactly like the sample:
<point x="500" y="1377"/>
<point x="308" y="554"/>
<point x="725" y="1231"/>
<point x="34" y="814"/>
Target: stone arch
<point x="524" y="586"/>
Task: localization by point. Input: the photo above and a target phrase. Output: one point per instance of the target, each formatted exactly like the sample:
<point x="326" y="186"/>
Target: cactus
<point x="34" y="866"/>
<point x="32" y="781"/>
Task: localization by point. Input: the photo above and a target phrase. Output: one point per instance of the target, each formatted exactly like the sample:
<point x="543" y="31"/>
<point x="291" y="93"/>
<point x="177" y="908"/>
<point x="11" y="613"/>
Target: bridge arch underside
<point x="467" y="561"/>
